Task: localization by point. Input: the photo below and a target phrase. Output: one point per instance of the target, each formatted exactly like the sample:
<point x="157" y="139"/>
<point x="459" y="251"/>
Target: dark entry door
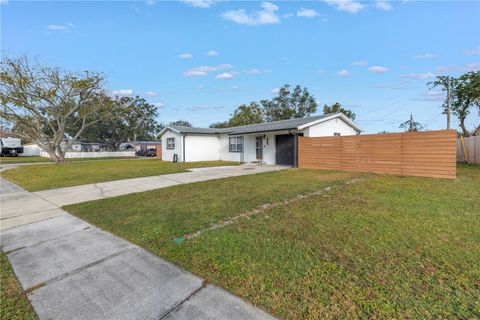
<point x="259" y="147"/>
<point x="285" y="145"/>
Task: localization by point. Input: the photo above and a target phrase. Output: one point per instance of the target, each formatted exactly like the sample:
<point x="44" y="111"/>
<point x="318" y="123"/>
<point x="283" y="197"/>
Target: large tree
<point x="180" y="123"/>
<point x="43" y="103"/>
<point x="288" y="104"/>
<point x="411" y="125"/>
<point x="337" y="107"/>
<point x="132" y="119"/>
<point x="465" y="98"/>
<point x="246" y="114"/>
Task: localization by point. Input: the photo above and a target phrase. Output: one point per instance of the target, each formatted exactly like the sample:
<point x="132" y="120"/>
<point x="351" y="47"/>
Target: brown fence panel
<point x="424" y="154"/>
<point x="470" y="151"/>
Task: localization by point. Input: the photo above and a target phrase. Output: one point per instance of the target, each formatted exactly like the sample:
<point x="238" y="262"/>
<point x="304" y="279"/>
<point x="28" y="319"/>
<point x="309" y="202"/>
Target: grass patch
<point x="7" y="160"/>
<point x="34" y="159"/>
<point x="13" y="301"/>
<point x="385" y="247"/>
<point x="48" y="176"/>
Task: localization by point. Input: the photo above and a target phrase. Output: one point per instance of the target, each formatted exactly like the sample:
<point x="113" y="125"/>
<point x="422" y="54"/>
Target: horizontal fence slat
<point x="426" y="154"/>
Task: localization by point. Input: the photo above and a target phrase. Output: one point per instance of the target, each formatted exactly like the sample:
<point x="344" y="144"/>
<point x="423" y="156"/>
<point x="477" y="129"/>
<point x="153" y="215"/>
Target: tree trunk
<point x="465" y="131"/>
<point x="476" y="132"/>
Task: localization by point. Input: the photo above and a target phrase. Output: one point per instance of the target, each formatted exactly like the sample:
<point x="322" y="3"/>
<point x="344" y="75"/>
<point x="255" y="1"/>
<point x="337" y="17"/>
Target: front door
<point x="259" y="146"/>
<point x="284" y="145"/>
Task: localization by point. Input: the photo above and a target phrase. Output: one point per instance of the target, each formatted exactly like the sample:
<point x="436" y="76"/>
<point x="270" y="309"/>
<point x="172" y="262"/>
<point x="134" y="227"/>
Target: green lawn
<point x="384" y="247"/>
<point x="51" y="176"/>
<point x="13" y="301"/>
<point x="13" y="160"/>
<point x="7" y="160"/>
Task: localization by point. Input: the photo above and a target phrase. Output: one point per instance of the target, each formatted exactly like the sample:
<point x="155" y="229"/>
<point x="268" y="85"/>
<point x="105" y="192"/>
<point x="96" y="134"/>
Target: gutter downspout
<point x="183" y="146"/>
<point x="295" y="147"/>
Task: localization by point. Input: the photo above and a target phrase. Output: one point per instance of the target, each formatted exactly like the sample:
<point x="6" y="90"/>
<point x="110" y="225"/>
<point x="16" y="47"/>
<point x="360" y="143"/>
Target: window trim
<point x="171" y="146"/>
<point x="236" y="144"/>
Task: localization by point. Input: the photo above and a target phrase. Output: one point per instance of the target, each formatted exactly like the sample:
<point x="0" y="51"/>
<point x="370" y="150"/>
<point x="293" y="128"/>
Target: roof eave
<point x="337" y="115"/>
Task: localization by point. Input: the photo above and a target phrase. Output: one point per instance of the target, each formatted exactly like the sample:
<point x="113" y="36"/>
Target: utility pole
<point x="411" y="123"/>
<point x="448" y="102"/>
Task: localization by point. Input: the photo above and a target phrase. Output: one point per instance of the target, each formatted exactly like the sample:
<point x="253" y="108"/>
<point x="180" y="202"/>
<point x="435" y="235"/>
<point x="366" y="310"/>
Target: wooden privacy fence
<point x="424" y="154"/>
<point x="469" y="152"/>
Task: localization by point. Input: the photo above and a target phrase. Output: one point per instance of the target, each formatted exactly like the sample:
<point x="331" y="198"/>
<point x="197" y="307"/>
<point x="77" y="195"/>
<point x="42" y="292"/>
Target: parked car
<point x="146" y="153"/>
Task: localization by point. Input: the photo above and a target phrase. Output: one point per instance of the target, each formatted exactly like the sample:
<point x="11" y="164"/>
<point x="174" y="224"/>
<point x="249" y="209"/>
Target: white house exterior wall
<point x="328" y="128"/>
<point x="250" y="149"/>
<point x="167" y="155"/>
<point x="201" y="148"/>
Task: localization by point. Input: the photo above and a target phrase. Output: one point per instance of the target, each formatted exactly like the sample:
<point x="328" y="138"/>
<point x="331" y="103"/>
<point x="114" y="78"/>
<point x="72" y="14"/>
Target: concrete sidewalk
<point x="73" y="270"/>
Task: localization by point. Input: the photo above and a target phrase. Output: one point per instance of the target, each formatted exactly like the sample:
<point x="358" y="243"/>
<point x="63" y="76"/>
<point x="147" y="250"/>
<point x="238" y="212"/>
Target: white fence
<point x="34" y="150"/>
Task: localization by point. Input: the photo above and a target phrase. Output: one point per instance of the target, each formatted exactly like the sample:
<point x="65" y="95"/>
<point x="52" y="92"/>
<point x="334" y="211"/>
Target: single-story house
<point x="83" y="146"/>
<point x="270" y="143"/>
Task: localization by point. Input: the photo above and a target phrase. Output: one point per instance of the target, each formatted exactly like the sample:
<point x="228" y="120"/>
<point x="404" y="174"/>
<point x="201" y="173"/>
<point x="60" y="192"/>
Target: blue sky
<point x="199" y="60"/>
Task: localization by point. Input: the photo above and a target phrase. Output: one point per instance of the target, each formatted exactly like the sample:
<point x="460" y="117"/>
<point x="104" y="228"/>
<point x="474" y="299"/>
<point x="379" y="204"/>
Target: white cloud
<point x="200" y="87"/>
<point x="151" y="2"/>
<point x="151" y="94"/>
<point x="224" y="76"/>
<point x="3" y="2"/>
<point x="252" y="71"/>
<point x="378" y="69"/>
<point x="159" y="105"/>
<point x="121" y="92"/>
<point x="199" y="3"/>
<point x="192" y="72"/>
<point x="359" y="63"/>
<point x="464" y="68"/>
<point x="59" y="27"/>
<point x="343" y="73"/>
<point x="425" y="56"/>
<point x="275" y="90"/>
<point x="307" y="13"/>
<point x="235" y="87"/>
<point x="206" y="107"/>
<point x="212" y="53"/>
<point x="265" y="16"/>
<point x="346" y="5"/>
<point x="204" y="70"/>
<point x="185" y="56"/>
<point x="424" y="75"/>
<point x="472" y="52"/>
<point x="383" y="5"/>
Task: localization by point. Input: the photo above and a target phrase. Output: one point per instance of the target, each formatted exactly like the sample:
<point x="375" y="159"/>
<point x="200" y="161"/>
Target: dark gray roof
<point x="184" y="129"/>
<point x="145" y="142"/>
<point x="274" y="125"/>
<point x="281" y="125"/>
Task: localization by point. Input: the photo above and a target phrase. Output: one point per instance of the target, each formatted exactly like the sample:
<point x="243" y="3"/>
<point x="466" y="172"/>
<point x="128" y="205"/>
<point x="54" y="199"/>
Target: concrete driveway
<point x="73" y="270"/>
<point x="95" y="191"/>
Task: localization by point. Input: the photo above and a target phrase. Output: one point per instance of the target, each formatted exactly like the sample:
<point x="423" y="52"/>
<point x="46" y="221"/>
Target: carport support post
<point x="295" y="150"/>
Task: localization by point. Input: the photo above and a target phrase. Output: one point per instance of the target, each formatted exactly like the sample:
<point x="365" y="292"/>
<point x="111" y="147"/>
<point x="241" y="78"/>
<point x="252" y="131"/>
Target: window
<point x="336" y="134"/>
<point x="235" y="144"/>
<point x="170" y="143"/>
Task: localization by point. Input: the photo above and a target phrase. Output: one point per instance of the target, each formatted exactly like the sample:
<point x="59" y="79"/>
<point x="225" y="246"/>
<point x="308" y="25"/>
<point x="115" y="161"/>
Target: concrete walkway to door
<point x="72" y="270"/>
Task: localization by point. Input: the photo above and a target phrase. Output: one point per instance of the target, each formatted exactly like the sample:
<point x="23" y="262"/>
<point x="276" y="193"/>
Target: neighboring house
<point x="142" y="145"/>
<point x="271" y="143"/>
<point x="82" y="146"/>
